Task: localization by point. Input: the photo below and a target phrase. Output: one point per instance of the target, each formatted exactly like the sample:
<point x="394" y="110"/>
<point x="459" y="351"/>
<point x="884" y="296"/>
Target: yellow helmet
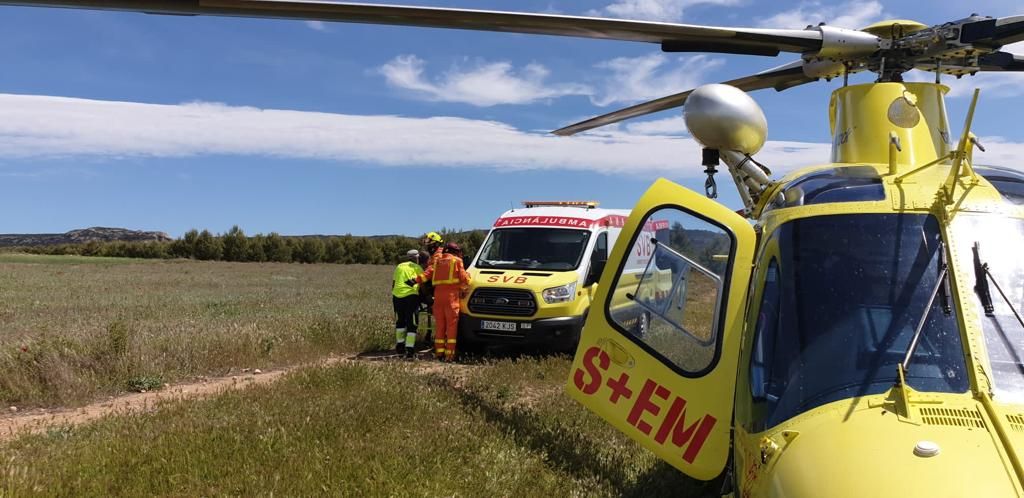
<point x="434" y="237"/>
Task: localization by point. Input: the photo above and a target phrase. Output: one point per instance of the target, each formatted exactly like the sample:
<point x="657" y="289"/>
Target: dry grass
<point x="72" y="329"/>
<point x="357" y="429"/>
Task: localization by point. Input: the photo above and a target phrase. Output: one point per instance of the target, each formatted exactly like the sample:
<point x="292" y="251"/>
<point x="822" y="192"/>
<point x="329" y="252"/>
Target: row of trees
<point x="235" y="245"/>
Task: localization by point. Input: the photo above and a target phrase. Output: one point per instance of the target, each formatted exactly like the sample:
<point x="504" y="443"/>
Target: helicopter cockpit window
<point x="846" y="184"/>
<point x="668" y="293"/>
<point x="840" y="304"/>
<point x="998" y="243"/>
<point x="1008" y="182"/>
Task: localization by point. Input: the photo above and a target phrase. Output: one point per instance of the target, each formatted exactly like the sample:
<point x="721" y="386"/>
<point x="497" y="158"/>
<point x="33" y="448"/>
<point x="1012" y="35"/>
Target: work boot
<point x="400" y="347"/>
<point x="410" y="353"/>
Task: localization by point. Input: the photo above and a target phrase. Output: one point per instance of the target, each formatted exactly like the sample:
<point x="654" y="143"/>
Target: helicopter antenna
<point x="967" y="141"/>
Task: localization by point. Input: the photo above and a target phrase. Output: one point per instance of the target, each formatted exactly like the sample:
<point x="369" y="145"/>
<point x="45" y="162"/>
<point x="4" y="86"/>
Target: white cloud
<point x="653" y="10"/>
<point x="853" y="14"/>
<point x="484" y="85"/>
<point x="1000" y="152"/>
<point x="317" y="25"/>
<point x="642" y="78"/>
<point x="44" y="126"/>
<point x="626" y="80"/>
<point x="994" y="85"/>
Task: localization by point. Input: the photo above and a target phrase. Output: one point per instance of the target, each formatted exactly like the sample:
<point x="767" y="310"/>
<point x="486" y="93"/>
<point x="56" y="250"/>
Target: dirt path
<point x="40" y="420"/>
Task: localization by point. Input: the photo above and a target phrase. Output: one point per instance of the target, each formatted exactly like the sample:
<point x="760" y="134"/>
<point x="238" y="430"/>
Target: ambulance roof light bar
<point x="581" y="204"/>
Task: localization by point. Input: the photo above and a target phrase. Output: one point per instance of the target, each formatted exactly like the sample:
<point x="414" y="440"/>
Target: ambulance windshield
<point x="554" y="249"/>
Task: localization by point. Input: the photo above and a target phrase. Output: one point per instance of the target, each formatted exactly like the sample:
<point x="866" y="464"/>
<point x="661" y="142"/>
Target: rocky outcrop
<point x="81" y="236"/>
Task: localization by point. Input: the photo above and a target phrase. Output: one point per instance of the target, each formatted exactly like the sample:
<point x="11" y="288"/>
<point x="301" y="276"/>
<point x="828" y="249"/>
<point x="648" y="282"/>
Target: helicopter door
<point x="657" y="357"/>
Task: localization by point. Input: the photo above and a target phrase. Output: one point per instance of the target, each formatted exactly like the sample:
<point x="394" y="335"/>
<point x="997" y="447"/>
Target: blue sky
<point x="168" y="123"/>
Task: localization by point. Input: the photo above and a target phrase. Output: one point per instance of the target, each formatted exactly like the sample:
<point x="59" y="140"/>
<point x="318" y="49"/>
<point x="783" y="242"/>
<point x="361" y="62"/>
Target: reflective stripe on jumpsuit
<point x="449" y="278"/>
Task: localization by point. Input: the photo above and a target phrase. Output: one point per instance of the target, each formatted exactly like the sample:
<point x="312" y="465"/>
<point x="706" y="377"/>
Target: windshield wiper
<point x="942" y="282"/>
<point x="981" y="282"/>
<point x="982" y="287"/>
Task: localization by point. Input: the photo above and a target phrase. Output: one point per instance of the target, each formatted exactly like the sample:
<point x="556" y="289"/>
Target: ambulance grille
<point x="954" y="417"/>
<point x="507" y="302"/>
<point x="1016" y="422"/>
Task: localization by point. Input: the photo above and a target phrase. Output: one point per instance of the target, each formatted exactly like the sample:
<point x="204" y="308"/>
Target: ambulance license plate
<point x="502" y="326"/>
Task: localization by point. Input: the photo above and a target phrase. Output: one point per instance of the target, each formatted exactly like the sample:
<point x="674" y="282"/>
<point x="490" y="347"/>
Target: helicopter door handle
<point x="617" y="353"/>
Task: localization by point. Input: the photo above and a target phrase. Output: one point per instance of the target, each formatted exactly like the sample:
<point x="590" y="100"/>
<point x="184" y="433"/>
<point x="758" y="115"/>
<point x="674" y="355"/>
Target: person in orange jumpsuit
<point x="450" y="279"/>
<point x="435" y="247"/>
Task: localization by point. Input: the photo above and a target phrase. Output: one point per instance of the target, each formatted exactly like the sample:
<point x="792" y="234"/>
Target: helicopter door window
<point x="761" y="382"/>
<point x="1009" y="183"/>
<point x="990" y="248"/>
<point x="672" y="283"/>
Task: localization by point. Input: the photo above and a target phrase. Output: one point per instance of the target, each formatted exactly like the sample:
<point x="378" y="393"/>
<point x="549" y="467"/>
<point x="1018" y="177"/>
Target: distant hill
<point x="81" y="236"/>
<point x="458" y="234"/>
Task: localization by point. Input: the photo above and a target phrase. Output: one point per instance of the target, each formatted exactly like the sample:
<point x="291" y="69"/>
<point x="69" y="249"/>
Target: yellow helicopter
<point x="855" y="329"/>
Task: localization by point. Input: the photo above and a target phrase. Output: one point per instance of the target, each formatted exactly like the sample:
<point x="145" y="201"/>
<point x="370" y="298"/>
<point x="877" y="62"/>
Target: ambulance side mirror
<point x="598" y="260"/>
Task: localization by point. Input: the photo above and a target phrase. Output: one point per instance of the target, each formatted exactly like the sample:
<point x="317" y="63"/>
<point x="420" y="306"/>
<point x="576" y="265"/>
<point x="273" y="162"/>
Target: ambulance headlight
<point x="560" y="294"/>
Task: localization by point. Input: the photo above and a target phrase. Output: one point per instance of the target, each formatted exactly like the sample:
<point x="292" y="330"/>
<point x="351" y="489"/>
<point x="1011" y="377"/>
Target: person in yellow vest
<point x="424" y="314"/>
<point x="450" y="279"/>
<point x="406" y="300"/>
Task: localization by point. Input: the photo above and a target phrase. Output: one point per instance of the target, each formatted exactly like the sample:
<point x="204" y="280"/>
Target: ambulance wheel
<point x="643" y="325"/>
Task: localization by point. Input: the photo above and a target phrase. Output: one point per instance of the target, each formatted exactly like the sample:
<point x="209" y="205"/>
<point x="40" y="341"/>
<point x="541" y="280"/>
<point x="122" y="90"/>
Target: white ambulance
<point x="535" y="274"/>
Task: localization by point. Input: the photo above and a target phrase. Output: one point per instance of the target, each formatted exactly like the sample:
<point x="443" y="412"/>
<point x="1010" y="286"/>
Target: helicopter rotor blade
<point x="673" y="37"/>
<point x="780" y="78"/>
<point x="1001" y="61"/>
<point x="1003" y="31"/>
<point x="990" y="62"/>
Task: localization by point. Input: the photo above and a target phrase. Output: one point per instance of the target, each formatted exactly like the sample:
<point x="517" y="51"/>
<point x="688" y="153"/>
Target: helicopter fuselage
<point x="846" y="273"/>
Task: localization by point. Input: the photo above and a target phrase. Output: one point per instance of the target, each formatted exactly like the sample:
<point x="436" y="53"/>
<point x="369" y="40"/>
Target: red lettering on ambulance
<point x="643" y="404"/>
<point x="544" y="221"/>
<point x="592" y="370"/>
<point x="492" y="279"/>
<point x="520" y="280"/>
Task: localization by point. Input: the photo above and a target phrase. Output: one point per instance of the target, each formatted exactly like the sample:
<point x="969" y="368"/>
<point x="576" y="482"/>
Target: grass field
<point x="359" y="429"/>
<point x="75" y="330"/>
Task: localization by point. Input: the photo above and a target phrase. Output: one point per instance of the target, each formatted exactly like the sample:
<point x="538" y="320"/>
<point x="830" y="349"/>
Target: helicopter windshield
<point x="1000" y="243"/>
<point x="842" y="297"/>
<point x="533" y="249"/>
